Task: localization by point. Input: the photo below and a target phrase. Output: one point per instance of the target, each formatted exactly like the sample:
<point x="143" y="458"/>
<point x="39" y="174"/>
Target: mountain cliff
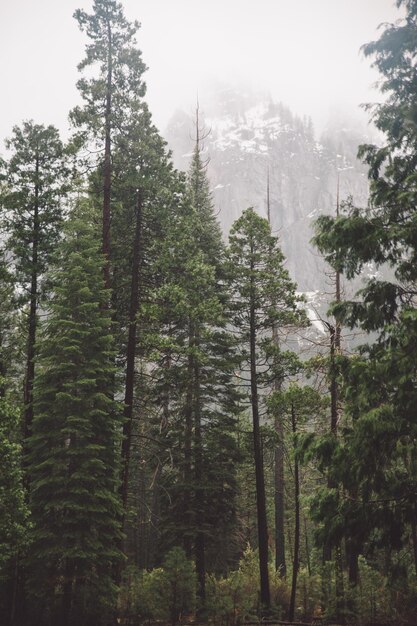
<point x="248" y="139"/>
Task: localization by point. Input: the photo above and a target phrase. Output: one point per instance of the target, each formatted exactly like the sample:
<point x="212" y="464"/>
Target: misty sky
<point x="304" y="52"/>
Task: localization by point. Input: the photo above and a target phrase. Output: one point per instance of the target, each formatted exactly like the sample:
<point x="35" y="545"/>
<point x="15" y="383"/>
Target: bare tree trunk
<point x="200" y="561"/>
<point x="67" y="595"/>
<point x="279" y="503"/>
<point x="259" y="470"/>
<point x="296" y="559"/>
<point x="32" y="324"/>
<point x="340" y="587"/>
<point x="414" y="536"/>
<point x="353" y="555"/>
<point x="130" y="355"/>
<point x="107" y="166"/>
<point x="308" y="559"/>
<point x="155" y="486"/>
<point x="188" y="452"/>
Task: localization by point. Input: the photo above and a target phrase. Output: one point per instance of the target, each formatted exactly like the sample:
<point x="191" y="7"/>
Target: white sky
<point x="304" y="52"/>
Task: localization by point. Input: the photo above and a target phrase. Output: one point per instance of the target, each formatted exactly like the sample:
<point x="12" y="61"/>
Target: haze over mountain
<point x="248" y="137"/>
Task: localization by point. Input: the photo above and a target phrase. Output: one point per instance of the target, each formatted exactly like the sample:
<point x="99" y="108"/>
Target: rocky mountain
<point x="250" y="138"/>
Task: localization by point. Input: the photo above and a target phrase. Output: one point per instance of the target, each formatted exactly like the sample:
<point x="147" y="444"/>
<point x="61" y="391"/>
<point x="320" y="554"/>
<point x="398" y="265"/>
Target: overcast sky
<point x="304" y="52"/>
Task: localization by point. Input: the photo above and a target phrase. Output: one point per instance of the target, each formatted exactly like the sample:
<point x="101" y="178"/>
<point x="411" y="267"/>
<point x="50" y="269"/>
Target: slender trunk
<point x="32" y="324"/>
<point x="155" y="486"/>
<point x="296" y="560"/>
<point x="335" y="332"/>
<point x="2" y="372"/>
<point x="67" y="595"/>
<point x="414" y="536"/>
<point x="353" y="563"/>
<point x="308" y="559"/>
<point x="188" y="442"/>
<point x="130" y="356"/>
<point x="200" y="561"/>
<point x="339" y="584"/>
<point x="279" y="503"/>
<point x="153" y="527"/>
<point x="69" y="569"/>
<point x="12" y="592"/>
<point x="259" y="470"/>
<point x="107" y="166"/>
<point x="334" y="346"/>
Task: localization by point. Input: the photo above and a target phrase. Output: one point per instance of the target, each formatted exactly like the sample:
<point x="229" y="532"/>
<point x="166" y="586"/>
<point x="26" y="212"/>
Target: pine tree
<point x="298" y="405"/>
<point x="13" y="508"/>
<point x="263" y="298"/>
<point x="197" y="387"/>
<point x="36" y="181"/>
<point x="379" y="390"/>
<point x="112" y="95"/>
<point x="143" y="197"/>
<point x="74" y="447"/>
<point x="9" y="342"/>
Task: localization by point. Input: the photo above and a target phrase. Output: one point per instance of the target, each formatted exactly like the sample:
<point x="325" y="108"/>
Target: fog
<point x="305" y="53"/>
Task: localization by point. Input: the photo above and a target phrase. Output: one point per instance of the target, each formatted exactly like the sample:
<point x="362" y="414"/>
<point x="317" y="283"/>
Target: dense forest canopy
<point x="177" y="441"/>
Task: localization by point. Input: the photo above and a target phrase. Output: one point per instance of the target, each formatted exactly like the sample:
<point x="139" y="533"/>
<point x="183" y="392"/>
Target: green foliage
<point x="116" y="84"/>
<point x="309" y="595"/>
<point x="255" y="266"/>
<point x="166" y="593"/>
<point x="10" y="337"/>
<point x="74" y="447"/>
<point x="235" y="597"/>
<point x="13" y="509"/>
<point x="374" y="464"/>
<point x="176" y="585"/>
<point x="35" y="183"/>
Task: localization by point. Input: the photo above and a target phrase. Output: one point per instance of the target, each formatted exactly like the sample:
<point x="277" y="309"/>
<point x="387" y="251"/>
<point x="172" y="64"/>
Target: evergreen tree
<point x="13" y="510"/>
<point x="263" y="298"/>
<point x="376" y="461"/>
<point x="9" y="342"/>
<point x="36" y="180"/>
<point x="298" y="404"/>
<point x="74" y="447"/>
<point x="111" y="95"/>
<point x="143" y="193"/>
<point x="195" y="384"/>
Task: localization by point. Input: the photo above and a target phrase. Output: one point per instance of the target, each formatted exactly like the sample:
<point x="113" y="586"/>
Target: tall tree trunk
<point x="308" y="558"/>
<point x="155" y="485"/>
<point x="296" y="559"/>
<point x="67" y="595"/>
<point x="2" y="371"/>
<point x="339" y="584"/>
<point x="200" y="561"/>
<point x="188" y="452"/>
<point x="353" y="555"/>
<point x="279" y="504"/>
<point x="107" y="166"/>
<point x="130" y="355"/>
<point x="259" y="470"/>
<point x="32" y="324"/>
<point x="414" y="536"/>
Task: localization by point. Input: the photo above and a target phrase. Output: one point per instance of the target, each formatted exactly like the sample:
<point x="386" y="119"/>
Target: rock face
<point x="247" y="139"/>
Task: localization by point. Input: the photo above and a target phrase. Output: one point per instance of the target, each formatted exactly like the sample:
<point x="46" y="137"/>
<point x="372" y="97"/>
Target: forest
<point x="175" y="444"/>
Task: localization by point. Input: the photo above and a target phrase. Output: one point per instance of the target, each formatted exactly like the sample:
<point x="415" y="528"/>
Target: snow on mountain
<point x="250" y="138"/>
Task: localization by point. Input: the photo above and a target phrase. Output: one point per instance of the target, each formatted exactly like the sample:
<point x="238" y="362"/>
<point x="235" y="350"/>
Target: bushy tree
<point x="14" y="511"/>
<point x="35" y="183"/>
<point x="376" y="462"/>
<point x="74" y="446"/>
